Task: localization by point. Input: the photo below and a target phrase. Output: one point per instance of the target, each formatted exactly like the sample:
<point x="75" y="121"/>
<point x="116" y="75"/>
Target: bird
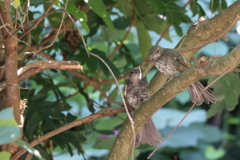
<point x="136" y="92"/>
<point x="172" y="63"/>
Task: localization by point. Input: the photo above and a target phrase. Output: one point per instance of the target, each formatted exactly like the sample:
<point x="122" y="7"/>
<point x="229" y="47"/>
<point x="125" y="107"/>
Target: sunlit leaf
<point x="80" y="15"/>
<point x="17" y="3"/>
<point x="99" y="8"/>
<point x="7" y="117"/>
<point x="5" y="155"/>
<point x="29" y="149"/>
<point x="212" y="153"/>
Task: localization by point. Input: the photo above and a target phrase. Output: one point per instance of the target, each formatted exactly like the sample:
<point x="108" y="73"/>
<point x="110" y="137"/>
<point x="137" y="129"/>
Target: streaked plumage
<point x="136" y="92"/>
<point x="173" y="63"/>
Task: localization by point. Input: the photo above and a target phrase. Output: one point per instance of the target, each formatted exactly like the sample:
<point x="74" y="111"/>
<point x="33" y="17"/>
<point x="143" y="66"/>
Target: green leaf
<point x="144" y="39"/>
<point x="105" y="132"/>
<point x="10" y="122"/>
<point x="190" y="154"/>
<point x="54" y="19"/>
<point x="104" y="143"/>
<point x="175" y="14"/>
<point x="108" y="124"/>
<point x="213" y="154"/>
<point x="9" y="134"/>
<point x="122" y="22"/>
<point x="89" y="101"/>
<point x="103" y="66"/>
<point x="231" y="96"/>
<point x="144" y="8"/>
<point x="201" y="11"/>
<point x="17" y="3"/>
<point x="225" y="89"/>
<point x="109" y="35"/>
<point x="194" y="7"/>
<point x="155" y="23"/>
<point x="178" y="29"/>
<point x="7" y="113"/>
<point x="220" y="105"/>
<point x="231" y="83"/>
<point x="36" y="3"/>
<point x="99" y="8"/>
<point x="29" y="149"/>
<point x="7" y="118"/>
<point x="214" y="5"/>
<point x="114" y="93"/>
<point x="124" y="6"/>
<point x="212" y="134"/>
<point x="106" y="87"/>
<point x="80" y="15"/>
<point x="179" y="139"/>
<point x="5" y="155"/>
<point x="223" y="4"/>
<point x="233" y="120"/>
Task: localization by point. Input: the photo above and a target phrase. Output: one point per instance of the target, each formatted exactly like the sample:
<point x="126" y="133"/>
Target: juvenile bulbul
<point x="173" y="63"/>
<point x="136" y="92"/>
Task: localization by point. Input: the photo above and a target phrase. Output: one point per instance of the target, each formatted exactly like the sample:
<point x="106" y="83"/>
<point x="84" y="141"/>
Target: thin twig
<point x="11" y="35"/>
<point x="102" y="113"/>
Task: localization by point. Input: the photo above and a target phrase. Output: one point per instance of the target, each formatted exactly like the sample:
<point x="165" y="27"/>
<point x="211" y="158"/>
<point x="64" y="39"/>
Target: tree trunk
<point x="10" y="97"/>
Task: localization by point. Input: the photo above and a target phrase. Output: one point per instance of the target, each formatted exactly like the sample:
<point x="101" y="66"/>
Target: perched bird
<point x="136" y="92"/>
<point x="173" y="63"/>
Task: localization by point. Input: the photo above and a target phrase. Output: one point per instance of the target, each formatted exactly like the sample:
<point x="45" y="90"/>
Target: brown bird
<point x="136" y="92"/>
<point x="173" y="63"/>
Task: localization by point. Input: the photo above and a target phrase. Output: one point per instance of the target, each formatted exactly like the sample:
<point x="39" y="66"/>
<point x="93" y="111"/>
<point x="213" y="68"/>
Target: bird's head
<point x="135" y="74"/>
<point x="155" y="52"/>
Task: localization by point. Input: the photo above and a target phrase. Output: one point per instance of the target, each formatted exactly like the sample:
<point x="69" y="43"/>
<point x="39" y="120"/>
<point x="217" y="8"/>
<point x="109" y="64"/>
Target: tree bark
<point x="12" y="94"/>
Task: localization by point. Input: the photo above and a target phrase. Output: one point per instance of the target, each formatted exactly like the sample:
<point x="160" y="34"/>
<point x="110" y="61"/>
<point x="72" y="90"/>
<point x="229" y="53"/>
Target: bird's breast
<point x="167" y="67"/>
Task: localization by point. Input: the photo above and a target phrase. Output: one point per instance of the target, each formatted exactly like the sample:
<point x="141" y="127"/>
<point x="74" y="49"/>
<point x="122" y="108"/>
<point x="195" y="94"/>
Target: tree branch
<point x="36" y="67"/>
<point x="197" y="34"/>
<point x="12" y="93"/>
<point x="102" y="113"/>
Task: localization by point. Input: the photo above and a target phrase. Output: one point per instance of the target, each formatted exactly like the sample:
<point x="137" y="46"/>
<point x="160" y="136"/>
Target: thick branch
<point x="203" y="31"/>
<point x="103" y="113"/>
<point x="12" y="91"/>
<point x="202" y="69"/>
<point x="36" y="67"/>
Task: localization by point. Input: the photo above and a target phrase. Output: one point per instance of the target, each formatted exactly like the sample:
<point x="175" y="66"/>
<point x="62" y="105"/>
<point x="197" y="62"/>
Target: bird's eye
<point x="157" y="50"/>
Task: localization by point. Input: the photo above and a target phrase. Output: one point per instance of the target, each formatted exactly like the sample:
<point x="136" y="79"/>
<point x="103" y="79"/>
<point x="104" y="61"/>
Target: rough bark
<point x="12" y="94"/>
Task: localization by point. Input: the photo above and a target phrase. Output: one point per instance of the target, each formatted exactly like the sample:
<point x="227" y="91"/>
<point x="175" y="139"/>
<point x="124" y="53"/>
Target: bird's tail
<point x="148" y="134"/>
<point x="195" y="90"/>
